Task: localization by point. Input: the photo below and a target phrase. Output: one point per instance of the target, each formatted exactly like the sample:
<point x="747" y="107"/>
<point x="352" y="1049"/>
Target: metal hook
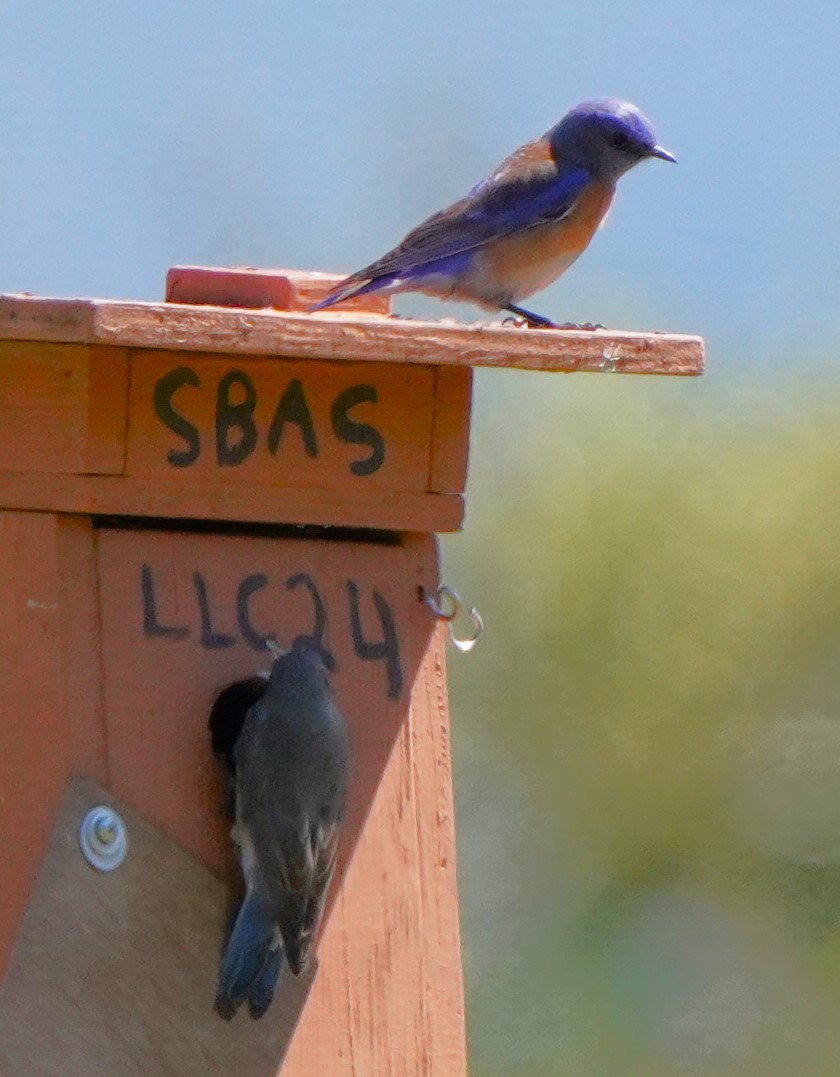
<point x="466" y="644"/>
<point x="434" y="601"/>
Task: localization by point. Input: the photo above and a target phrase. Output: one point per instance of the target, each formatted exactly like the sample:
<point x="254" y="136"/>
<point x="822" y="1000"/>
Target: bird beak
<point x="663" y="154"/>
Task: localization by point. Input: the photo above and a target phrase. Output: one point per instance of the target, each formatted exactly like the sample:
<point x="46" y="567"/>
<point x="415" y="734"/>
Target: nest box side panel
<point x="389" y="998"/>
<point x="183" y="615"/>
<point x="451" y="436"/>
<point x="35" y="757"/>
<point x="63" y="407"/>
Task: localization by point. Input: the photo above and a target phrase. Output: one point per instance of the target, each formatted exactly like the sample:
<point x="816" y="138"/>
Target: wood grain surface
<point x="351" y="337"/>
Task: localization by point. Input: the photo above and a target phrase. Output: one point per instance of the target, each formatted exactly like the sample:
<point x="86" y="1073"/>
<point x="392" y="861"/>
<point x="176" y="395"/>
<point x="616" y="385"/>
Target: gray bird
<point x="291" y="781"/>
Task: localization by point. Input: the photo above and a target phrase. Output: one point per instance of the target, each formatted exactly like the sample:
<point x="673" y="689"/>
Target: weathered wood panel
<point x="451" y="436"/>
<point x="349" y="427"/>
<point x="182" y="616"/>
<point x="63" y="407"/>
<point x="35" y="755"/>
<point x="282" y="289"/>
<point x="113" y="975"/>
<point x="110" y="495"/>
<point x="351" y="337"/>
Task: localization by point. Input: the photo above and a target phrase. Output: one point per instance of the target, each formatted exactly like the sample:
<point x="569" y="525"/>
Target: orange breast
<point x="530" y="260"/>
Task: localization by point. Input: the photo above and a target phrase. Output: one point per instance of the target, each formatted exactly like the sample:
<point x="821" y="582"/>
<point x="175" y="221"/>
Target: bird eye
<point x="620" y="140"/>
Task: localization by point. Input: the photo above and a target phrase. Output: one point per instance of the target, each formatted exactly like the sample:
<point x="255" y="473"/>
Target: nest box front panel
<point x="129" y="431"/>
<point x="347" y="426"/>
<point x="63" y="407"/>
<point x="184" y="615"/>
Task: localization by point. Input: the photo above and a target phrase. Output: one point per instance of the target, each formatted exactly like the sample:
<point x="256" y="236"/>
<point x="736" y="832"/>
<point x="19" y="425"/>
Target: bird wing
<point x="304" y="872"/>
<point x="528" y="189"/>
<point x="324" y="850"/>
<point x="308" y="857"/>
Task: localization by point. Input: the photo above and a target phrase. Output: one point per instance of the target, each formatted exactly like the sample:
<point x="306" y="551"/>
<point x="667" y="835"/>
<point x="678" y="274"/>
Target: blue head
<point x="606" y="137"/>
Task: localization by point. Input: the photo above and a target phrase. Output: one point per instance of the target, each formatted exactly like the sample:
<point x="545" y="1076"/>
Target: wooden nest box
<point x="178" y="481"/>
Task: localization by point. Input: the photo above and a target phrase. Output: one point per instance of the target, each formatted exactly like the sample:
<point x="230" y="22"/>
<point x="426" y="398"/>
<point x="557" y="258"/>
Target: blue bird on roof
<point x="525" y="224"/>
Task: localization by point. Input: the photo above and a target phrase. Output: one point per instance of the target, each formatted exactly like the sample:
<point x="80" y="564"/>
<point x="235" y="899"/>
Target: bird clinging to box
<point x="525" y="224"/>
<point x="291" y="780"/>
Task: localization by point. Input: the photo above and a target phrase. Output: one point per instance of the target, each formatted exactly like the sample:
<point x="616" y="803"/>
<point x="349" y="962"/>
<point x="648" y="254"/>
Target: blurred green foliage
<point x="647" y="739"/>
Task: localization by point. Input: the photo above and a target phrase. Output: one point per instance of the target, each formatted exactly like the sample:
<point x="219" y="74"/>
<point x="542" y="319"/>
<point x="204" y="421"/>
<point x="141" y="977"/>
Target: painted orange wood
<point x="35" y="743"/>
<point x="282" y="289"/>
<point x="432" y="761"/>
<point x="81" y="651"/>
<point x="113" y="495"/>
<point x="350" y="427"/>
<point x="451" y="435"/>
<point x="179" y="629"/>
<point x="390" y="954"/>
<point x="400" y="1008"/>
<point x="342" y="444"/>
<point x="107" y="407"/>
<point x="351" y="337"/>
<point x="228" y="287"/>
<point x="310" y="286"/>
<point x="63" y="407"/>
<point x="113" y="975"/>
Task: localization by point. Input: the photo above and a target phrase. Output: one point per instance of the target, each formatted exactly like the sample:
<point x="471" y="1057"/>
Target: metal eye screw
<point x="435" y="602"/>
<point x="103" y="838"/>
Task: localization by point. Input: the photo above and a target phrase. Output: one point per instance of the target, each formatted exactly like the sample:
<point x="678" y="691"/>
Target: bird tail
<point x="252" y="961"/>
<point x="350" y="287"/>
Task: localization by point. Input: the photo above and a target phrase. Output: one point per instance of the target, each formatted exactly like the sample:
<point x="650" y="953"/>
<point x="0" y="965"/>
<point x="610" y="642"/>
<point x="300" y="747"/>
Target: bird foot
<point x="543" y="323"/>
<point x="526" y="323"/>
<point x="527" y="319"/>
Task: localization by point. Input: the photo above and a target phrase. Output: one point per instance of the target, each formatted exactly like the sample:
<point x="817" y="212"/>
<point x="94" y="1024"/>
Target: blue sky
<point x="141" y="135"/>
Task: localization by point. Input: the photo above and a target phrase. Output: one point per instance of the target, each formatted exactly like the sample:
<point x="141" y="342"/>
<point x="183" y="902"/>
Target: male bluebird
<point x="525" y="224"/>
<point x="291" y="777"/>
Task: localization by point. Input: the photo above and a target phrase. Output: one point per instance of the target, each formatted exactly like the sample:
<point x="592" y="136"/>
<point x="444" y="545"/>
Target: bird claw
<point x="529" y="323"/>
<point x="538" y="322"/>
<point x="274" y="648"/>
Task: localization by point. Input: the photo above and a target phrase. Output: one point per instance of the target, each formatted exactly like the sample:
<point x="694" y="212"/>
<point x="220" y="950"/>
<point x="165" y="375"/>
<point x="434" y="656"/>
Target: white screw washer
<point x="103" y="838"/>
